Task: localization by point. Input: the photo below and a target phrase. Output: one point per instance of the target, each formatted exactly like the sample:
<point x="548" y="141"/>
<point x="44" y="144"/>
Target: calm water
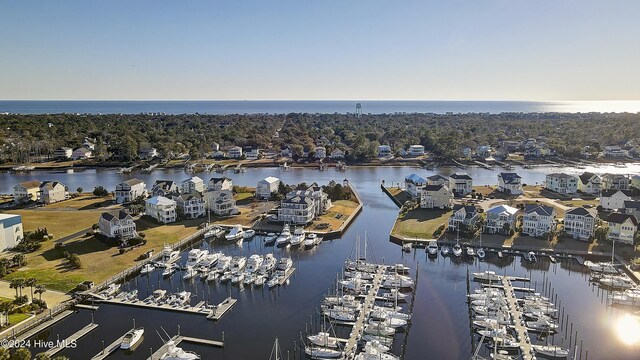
<point x="440" y="325"/>
<point x="329" y="106"/>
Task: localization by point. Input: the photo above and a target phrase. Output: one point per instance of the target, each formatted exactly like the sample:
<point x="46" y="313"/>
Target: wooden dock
<point x="286" y="276"/>
<point x="200" y="308"/>
<point x="178" y="339"/>
<point x="511" y="287"/>
<point x="87" y="307"/>
<point x="111" y="348"/>
<point x="521" y="330"/>
<point x="61" y="345"/>
<point x="219" y="310"/>
<point x="44" y="325"/>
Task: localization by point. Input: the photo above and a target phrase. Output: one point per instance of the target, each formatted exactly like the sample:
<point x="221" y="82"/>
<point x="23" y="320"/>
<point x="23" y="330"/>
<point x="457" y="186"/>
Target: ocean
<point x="308" y="106"/>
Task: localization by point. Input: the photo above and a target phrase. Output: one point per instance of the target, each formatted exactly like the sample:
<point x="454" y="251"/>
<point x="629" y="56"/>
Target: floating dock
<point x="71" y="339"/>
<point x="287" y="275"/>
<point x="521" y="330"/>
<point x="86" y="307"/>
<point x="111" y="348"/>
<point x="178" y="339"/>
<point x="44" y="325"/>
<point x="219" y="310"/>
<point x="199" y="309"/>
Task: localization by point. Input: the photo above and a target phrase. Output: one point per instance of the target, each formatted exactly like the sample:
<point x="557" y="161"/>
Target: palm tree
<point x="4" y="354"/>
<point x="31" y="282"/>
<point x="15" y="284"/>
<point x="40" y="289"/>
<point x="20" y="284"/>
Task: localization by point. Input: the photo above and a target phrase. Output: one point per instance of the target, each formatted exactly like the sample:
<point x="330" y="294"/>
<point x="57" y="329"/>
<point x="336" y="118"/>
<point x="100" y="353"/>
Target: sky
<point x="542" y="50"/>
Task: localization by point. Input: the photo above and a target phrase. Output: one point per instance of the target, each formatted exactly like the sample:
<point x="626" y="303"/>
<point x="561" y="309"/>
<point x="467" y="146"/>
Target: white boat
<point x="254" y="263"/>
<point x="189" y="273"/>
<point x="323" y="339"/>
<point x="376" y="345"/>
<point x="248" y="279"/>
<point x="223" y="263"/>
<point x="530" y="257"/>
<point x="340" y="314"/>
<point x="195" y="256"/>
<point x="236" y="233"/>
<point x="237" y="277"/>
<point x="285" y="236"/>
<point x="213" y="275"/>
<point x="481" y="254"/>
<point x="284" y="264"/>
<point x="470" y="252"/>
<point x="390" y="322"/>
<point x="268" y="263"/>
<point x="111" y="290"/>
<point x="270" y="238"/>
<point x="386" y="341"/>
<point x="147" y="268"/>
<point x="432" y="248"/>
<point x="169" y="270"/>
<point x="158" y="295"/>
<point x="179" y="299"/>
<point x="486" y="276"/>
<point x="249" y="234"/>
<point x="210" y="260"/>
<point x="226" y="276"/>
<point x="445" y="250"/>
<point x="260" y="280"/>
<point x="397" y="281"/>
<point x="298" y="236"/>
<point x="214" y="232"/>
<point x="457" y="250"/>
<point x="406" y="247"/>
<point x="373" y="353"/>
<point x="175" y="353"/>
<point x="274" y="281"/>
<point x="399" y="268"/>
<point x="311" y="240"/>
<point x="550" y="351"/>
<point x="169" y="256"/>
<point x="318" y="352"/>
<point x="379" y="330"/>
<point x="238" y="263"/>
<point x="394" y="294"/>
<point x="131" y="338"/>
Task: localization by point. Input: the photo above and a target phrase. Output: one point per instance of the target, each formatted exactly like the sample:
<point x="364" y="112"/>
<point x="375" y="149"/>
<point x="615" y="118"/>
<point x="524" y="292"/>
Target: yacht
<point x="285" y="236"/>
<point x="406" y="247"/>
<point x="249" y="234"/>
<point x="260" y="280"/>
<point x="444" y="250"/>
<point x="238" y="263"/>
<point x="214" y="232"/>
<point x="209" y="260"/>
<point x="169" y="270"/>
<point x="131" y="338"/>
<point x="270" y="238"/>
<point x="389" y="322"/>
<point x="226" y="276"/>
<point x="375" y="354"/>
<point x="254" y="263"/>
<point x="550" y="351"/>
<point x="268" y="264"/>
<point x="169" y="256"/>
<point x="157" y="296"/>
<point x="147" y="268"/>
<point x="190" y="273"/>
<point x="486" y="276"/>
<point x="379" y="330"/>
<point x="223" y="263"/>
<point x="319" y="352"/>
<point x="432" y="248"/>
<point x="284" y="264"/>
<point x="298" y="236"/>
<point x="530" y="257"/>
<point x="312" y="240"/>
<point x="274" y="281"/>
<point x="399" y="268"/>
<point x="182" y="298"/>
<point x="394" y="294"/>
<point x="237" y="277"/>
<point x="195" y="256"/>
<point x="470" y="252"/>
<point x="249" y="278"/>
<point x="236" y="233"/>
<point x="111" y="290"/>
<point x="175" y="353"/>
<point x="457" y="250"/>
<point x="323" y="339"/>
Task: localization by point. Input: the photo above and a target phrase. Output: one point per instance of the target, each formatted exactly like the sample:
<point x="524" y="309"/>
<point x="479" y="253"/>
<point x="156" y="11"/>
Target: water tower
<point x="358" y="110"/>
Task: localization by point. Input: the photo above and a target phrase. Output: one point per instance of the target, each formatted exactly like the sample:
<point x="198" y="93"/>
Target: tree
<point x="79" y="189"/>
<point x="21" y="354"/>
<point x="19" y="259"/>
<point x="31" y="282"/>
<point x="4" y="267"/>
<point x="42" y="356"/>
<point x="75" y="261"/>
<point x="100" y="191"/>
<point x="40" y="289"/>
<point x="16" y="284"/>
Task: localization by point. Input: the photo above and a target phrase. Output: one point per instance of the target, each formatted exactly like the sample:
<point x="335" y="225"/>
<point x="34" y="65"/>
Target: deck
<point x="521" y="330"/>
<point x="111" y="348"/>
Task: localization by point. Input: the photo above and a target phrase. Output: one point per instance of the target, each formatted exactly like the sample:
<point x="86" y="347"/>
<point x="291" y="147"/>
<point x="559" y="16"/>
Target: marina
<point x="111" y="348"/>
<point x="71" y="339"/>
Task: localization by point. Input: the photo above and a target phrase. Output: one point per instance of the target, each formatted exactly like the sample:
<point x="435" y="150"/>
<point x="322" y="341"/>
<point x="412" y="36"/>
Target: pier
<point x="200" y="308"/>
<point x="176" y="340"/>
<point x="86" y="307"/>
<point x="287" y="275"/>
<point x="521" y="330"/>
<point x="111" y="348"/>
<point x="44" y="325"/>
<point x="219" y="310"/>
<point x="71" y="339"/>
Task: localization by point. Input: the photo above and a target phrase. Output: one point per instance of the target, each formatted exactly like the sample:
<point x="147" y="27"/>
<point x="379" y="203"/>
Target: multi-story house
<point x="220" y="183"/>
<point x="483" y="151"/>
<point x="436" y="197"/>
<point x="117" y="224"/>
<point x="320" y="199"/>
<point x="510" y="183"/>
<point x="501" y="219"/>
<point x="464" y="216"/>
<point x="337" y="154"/>
<point x="11" y="231"/>
<point x="632" y="207"/>
<point x="321" y="152"/>
<point x="166" y="188"/>
<point x="622" y="227"/>
<point x="416" y="150"/>
<point x="82" y="153"/>
<point x="580" y="223"/>
<point x="614" y="199"/>
<point x="384" y="150"/>
<point x="51" y="192"/>
<point x="221" y="202"/>
<point x="266" y="187"/>
<point x="161" y="208"/>
<point x="234" y="152"/>
<point x="413" y="184"/>
<point x="191" y="205"/>
<point x="26" y="191"/>
<point x="438" y="180"/>
<point x="130" y="190"/>
<point x="192" y="184"/>
<point x="297" y="210"/>
<point x="615" y="181"/>
<point x="538" y="220"/>
<point x="614" y="151"/>
<point x="460" y="184"/>
<point x="63" y="153"/>
<point x="589" y="183"/>
<point x="148" y="153"/>
<point x="562" y="183"/>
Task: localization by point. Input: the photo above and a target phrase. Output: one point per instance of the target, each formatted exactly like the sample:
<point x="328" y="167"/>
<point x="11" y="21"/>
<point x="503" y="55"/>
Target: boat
<point x="254" y="263"/>
<point x="131" y="338"/>
<point x="237" y="277"/>
<point x="260" y="280"/>
<point x="377" y="346"/>
<point x="169" y="256"/>
<point x="470" y="252"/>
<point x="340" y="314"/>
<point x="238" y="263"/>
<point x="270" y="238"/>
<point x="481" y="254"/>
<point x="285" y="236"/>
<point x="318" y="352"/>
<point x="323" y="339"/>
<point x="386" y="341"/>
<point x="249" y="234"/>
<point x="432" y="248"/>
<point x="235" y="234"/>
<point x="268" y="263"/>
<point x="175" y="353"/>
<point x="214" y="232"/>
<point x="249" y="278"/>
<point x="284" y="264"/>
<point x="180" y="299"/>
<point x="223" y="264"/>
<point x="399" y="268"/>
<point x="213" y="275"/>
<point x="169" y="270"/>
<point x="226" y="276"/>
<point x="389" y="322"/>
<point x="406" y="247"/>
<point x="489" y="276"/>
<point x="379" y="330"/>
<point x="445" y="250"/>
<point x="195" y="256"/>
<point x="298" y="236"/>
<point x="530" y="257"/>
<point x="550" y="351"/>
<point x="311" y="240"/>
<point x="157" y="296"/>
<point x="189" y="273"/>
<point x="457" y="250"/>
<point x="209" y="260"/>
<point x="274" y="281"/>
<point x="111" y="290"/>
<point x="394" y="294"/>
<point x="147" y="268"/>
<point x="374" y="353"/>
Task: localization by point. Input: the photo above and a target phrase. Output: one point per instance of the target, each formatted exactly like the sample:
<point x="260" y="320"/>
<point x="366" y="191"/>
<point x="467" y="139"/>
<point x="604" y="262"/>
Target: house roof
<point x="30" y="184"/>
<point x="561" y="176"/>
<point x="611" y="192"/>
<point x="190" y="196"/>
<point x="543" y="210"/>
<point x="216" y="180"/>
<point x="119" y="215"/>
<point x="469" y="209"/>
<point x="460" y="176"/>
<point x="580" y="211"/>
<point x="83" y="150"/>
<point x="632" y="204"/>
<point x="164" y="184"/>
<point x="193" y="179"/>
<point x="270" y="179"/>
<point x="416" y="179"/>
<point x="586" y="176"/>
<point x="434" y="187"/>
<point x="134" y="181"/>
<point x="50" y="185"/>
<point x="509" y="178"/>
<point x="298" y="199"/>
<point x="615" y="176"/>
<point x="437" y="177"/>
<point x="499" y="209"/>
<point x="619" y="218"/>
<point x="160" y="200"/>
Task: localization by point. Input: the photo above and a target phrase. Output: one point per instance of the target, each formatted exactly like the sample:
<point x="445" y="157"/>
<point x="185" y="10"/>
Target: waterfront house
<point x="234" y="152"/>
<point x="321" y="152"/>
<point x="63" y="153"/>
<point x="561" y="183"/>
<point x="580" y="223"/>
<point x="510" y="183"/>
<point x="218" y="154"/>
<point x="384" y="150"/>
<point x="615" y="181"/>
<point x="614" y="151"/>
<point x="11" y="231"/>
<point x="51" y="192"/>
<point x="297" y="210"/>
<point x="538" y="151"/>
<point x="192" y="184"/>
<point x="130" y="190"/>
<point x="466" y="153"/>
<point x="82" y="153"/>
<point x="252" y="154"/>
<point x="89" y="143"/>
<point x="117" y="224"/>
<point x="215" y="146"/>
<point x="631" y="207"/>
<point x="286" y="152"/>
<point x="266" y="187"/>
<point x="162" y="209"/>
<point x="538" y="220"/>
<point x="483" y="151"/>
<point x="190" y="205"/>
<point x="148" y="153"/>
<point x="321" y="201"/>
<point x="166" y="188"/>
<point x="416" y="150"/>
<point x="436" y="197"/>
<point x="501" y="219"/>
<point x="26" y="191"/>
<point x="220" y="183"/>
<point x="337" y="154"/>
<point x="221" y="202"/>
<point x="589" y="183"/>
<point x="413" y="184"/>
<point x="460" y="184"/>
<point x="622" y="227"/>
<point x="614" y="199"/>
<point x="463" y="217"/>
<point x="438" y="180"/>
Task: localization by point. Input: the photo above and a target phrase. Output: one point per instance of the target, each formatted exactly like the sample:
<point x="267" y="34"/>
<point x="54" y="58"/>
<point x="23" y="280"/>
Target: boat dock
<point x="111" y="348"/>
<point x="219" y="310"/>
<point x="178" y="339"/>
<point x="483" y="165"/>
<point x="521" y="330"/>
<point x="514" y="288"/>
<point x="200" y="308"/>
<point x="286" y="276"/>
<point x="61" y="345"/>
<point x="87" y="307"/>
<point x="44" y="325"/>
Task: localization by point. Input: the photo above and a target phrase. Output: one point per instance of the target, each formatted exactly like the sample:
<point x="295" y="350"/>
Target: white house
<point x="51" y="192"/>
<point x="321" y="201"/>
<point x="580" y="223"/>
<point x="220" y="183"/>
<point x="117" y="224"/>
<point x="234" y="152"/>
<point x="148" y="153"/>
<point x="615" y="181"/>
<point x="191" y="205"/>
<point x="483" y="151"/>
<point x="11" y="231"/>
<point x="538" y="220"/>
<point x="622" y="227"/>
<point x="466" y="153"/>
<point x="89" y="143"/>
<point x="26" y="191"/>
<point x="384" y="150"/>
<point x="561" y="183"/>
<point x="460" y="184"/>
<point x="498" y="217"/>
<point x="297" y="210"/>
<point x="130" y="190"/>
<point x="463" y="215"/>
<point x="82" y="153"/>
<point x="416" y="150"/>
<point x="63" y="153"/>
<point x="632" y="207"/>
<point x="413" y="184"/>
<point x="589" y="183"/>
<point x="192" y="184"/>
<point x="165" y="188"/>
<point x="161" y="208"/>
<point x="286" y="152"/>
<point x="614" y="151"/>
<point x="438" y="180"/>
<point x="337" y="154"/>
<point x="436" y="197"/>
<point x="321" y="152"/>
<point x="266" y="187"/>
<point x="221" y="202"/>
<point x="614" y="199"/>
<point x="510" y="183"/>
<point x="252" y="154"/>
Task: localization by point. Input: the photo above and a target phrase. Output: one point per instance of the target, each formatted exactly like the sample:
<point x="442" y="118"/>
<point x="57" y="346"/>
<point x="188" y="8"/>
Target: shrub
<point x="65" y="254"/>
<point x="20" y="300"/>
<point x="40" y="303"/>
<point x="135" y="241"/>
<point x="74" y="260"/>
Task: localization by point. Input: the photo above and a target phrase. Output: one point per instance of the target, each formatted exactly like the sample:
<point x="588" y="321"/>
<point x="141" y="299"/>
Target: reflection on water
<point x="627" y="328"/>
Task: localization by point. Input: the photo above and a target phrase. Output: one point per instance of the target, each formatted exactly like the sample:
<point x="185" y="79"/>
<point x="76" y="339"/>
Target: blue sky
<point x="320" y="49"/>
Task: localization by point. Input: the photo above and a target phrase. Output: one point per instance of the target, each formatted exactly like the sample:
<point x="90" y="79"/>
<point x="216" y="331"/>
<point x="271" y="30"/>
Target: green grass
<point x="17" y="317"/>
<point x="243" y="196"/>
<point x="420" y="223"/>
<point x="50" y="278"/>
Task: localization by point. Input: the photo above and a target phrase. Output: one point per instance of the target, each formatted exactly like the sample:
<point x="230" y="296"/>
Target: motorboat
<point x="249" y="278"/>
<point x="377" y="346"/>
<point x="260" y="280"/>
<point x="541" y="325"/>
<point x="397" y="281"/>
<point x="445" y="250"/>
<point x="379" y="330"/>
<point x="399" y="268"/>
<point x="210" y="260"/>
<point x="158" y="295"/>
<point x="394" y="294"/>
<point x="195" y="256"/>
<point x="131" y="338"/>
<point x="432" y="248"/>
<point x="298" y="236"/>
<point x="284" y="264"/>
<point x="213" y="275"/>
<point x="237" y="277"/>
<point x="175" y="353"/>
<point x="226" y="276"/>
<point x="214" y="232"/>
<point x="550" y="351"/>
<point x="530" y="257"/>
<point x="617" y="282"/>
<point x="249" y="234"/>
<point x="169" y="256"/>
<point x="373" y="353"/>
<point x="340" y="314"/>
<point x="189" y="273"/>
<point x="470" y="252"/>
<point x="111" y="290"/>
<point x="131" y="295"/>
<point x="274" y="281"/>
<point x="457" y="250"/>
<point x="386" y="341"/>
<point x="318" y="352"/>
<point x="323" y="339"/>
<point x="270" y="238"/>
<point x="235" y="234"/>
<point x="169" y="270"/>
<point x="147" y="268"/>
<point x="406" y="247"/>
<point x="481" y="253"/>
<point x="268" y="263"/>
<point x="389" y="322"/>
<point x="254" y="263"/>
<point x="285" y="236"/>
<point x="180" y="299"/>
<point x="223" y="263"/>
<point x="347" y="301"/>
<point x="489" y="276"/>
<point x="311" y="240"/>
<point x="601" y="267"/>
<point x="238" y="263"/>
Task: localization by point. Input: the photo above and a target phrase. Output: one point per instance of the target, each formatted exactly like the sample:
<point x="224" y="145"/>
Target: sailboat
<point x="457" y="249"/>
<point x="481" y="254"/>
<point x="276" y="354"/>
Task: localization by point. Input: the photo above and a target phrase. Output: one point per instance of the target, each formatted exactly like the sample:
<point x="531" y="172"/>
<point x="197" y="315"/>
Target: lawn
<point x="58" y="223"/>
<point x="581" y="203"/>
<point x="485" y="190"/>
<point x="337" y="214"/>
<point x="83" y="202"/>
<point x="17" y="317"/>
<point x="420" y="223"/>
